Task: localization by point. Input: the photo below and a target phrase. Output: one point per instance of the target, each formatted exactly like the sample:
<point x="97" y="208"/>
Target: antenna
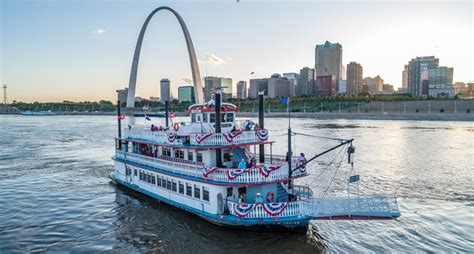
<point x="4" y="94"/>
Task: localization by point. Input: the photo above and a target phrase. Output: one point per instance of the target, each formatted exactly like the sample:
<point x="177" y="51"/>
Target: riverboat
<point x="196" y="166"/>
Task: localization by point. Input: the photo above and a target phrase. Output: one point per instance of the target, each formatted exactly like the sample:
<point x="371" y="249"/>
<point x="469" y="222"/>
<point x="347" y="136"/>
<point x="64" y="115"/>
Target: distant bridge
<point x="198" y="90"/>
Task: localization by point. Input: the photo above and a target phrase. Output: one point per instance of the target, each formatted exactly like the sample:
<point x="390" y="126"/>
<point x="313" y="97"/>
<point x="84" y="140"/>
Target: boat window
<point x="141" y="176"/>
<point x="181" y="187"/>
<point x="222" y="117"/>
<point x="158" y="182"/>
<point x="197" y="192"/>
<point x="204" y="117"/>
<point x="198" y="119"/>
<point x="189" y="190"/>
<point x="212" y="117"/>
<point x="205" y="193"/>
<point x="166" y="151"/>
<point x="153" y="181"/>
<point x="198" y="157"/>
<point x="229" y="191"/>
<point x="190" y="156"/>
<point x="179" y="154"/>
<point x="227" y="156"/>
<point x="173" y="186"/>
<point x="135" y="172"/>
<point x="148" y="177"/>
<point x="168" y="184"/>
<point x="230" y="117"/>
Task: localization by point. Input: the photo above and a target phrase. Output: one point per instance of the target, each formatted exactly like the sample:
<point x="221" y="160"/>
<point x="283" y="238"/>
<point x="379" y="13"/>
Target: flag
<point x="147" y="118"/>
<point x="252" y="73"/>
<point x="354" y="178"/>
<point x="284" y="100"/>
<point x="172" y="115"/>
<point x="121" y="116"/>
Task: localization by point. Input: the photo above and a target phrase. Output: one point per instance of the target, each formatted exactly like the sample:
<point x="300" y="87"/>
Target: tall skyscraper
<point x="293" y="77"/>
<point x="374" y="85"/>
<point x="328" y="60"/>
<point x="165" y="90"/>
<point x="426" y="77"/>
<point x="354" y="78"/>
<point x="186" y="94"/>
<point x="306" y="82"/>
<point x="242" y="89"/>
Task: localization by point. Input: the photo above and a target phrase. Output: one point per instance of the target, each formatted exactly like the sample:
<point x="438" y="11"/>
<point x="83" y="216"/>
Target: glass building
<point x="186" y="94"/>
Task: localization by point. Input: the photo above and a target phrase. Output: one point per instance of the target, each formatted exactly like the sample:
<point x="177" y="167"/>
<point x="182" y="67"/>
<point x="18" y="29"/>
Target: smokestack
<point x="166" y="113"/>
<point x="119" y="125"/>
<point x="261" y="111"/>
<point x="218" y="100"/>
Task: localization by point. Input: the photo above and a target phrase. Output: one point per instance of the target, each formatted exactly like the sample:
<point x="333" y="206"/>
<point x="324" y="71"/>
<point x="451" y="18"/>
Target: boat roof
<point x="210" y="106"/>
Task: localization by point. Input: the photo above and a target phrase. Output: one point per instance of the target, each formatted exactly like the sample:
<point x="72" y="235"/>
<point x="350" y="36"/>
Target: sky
<point x="54" y="50"/>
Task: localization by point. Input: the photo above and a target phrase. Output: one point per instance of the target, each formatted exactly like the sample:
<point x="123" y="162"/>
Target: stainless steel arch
<point x="198" y="91"/>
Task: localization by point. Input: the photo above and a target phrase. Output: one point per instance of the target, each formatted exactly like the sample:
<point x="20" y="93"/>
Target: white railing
<point x="161" y="137"/>
<point x="292" y="209"/>
<point x="218" y="139"/>
<point x="353" y="208"/>
<point x="302" y="191"/>
<point x="373" y="206"/>
<point x="179" y="166"/>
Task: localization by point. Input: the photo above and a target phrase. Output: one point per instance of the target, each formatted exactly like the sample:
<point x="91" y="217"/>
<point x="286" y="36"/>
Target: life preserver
<point x="176" y="126"/>
<point x="270" y="196"/>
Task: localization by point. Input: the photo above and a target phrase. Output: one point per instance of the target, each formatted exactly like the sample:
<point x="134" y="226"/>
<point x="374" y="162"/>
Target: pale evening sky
<point x="82" y="50"/>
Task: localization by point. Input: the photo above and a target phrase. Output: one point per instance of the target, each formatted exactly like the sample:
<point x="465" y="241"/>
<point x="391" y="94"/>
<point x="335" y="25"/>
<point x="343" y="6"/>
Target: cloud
<point x="98" y="31"/>
<point x="187" y="80"/>
<point x="211" y="58"/>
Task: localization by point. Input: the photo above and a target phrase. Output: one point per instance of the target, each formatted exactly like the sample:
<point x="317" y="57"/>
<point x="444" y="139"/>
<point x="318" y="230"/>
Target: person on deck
<point x="253" y="162"/>
<point x="152" y="128"/>
<point x="249" y="163"/>
<point x="242" y="164"/>
<point x="258" y="198"/>
<point x="301" y="159"/>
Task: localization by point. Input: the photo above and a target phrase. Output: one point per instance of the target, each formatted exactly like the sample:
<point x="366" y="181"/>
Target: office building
<point x="418" y="70"/>
<point x="278" y="86"/>
<point x="257" y="85"/>
<point x="326" y="85"/>
<point x="165" y="90"/>
<point x="440" y="81"/>
<point x="293" y="77"/>
<point x="186" y="94"/>
<point x="405" y="77"/>
<point x="374" y="85"/>
<point x="212" y="83"/>
<point x="306" y="82"/>
<point x="328" y="60"/>
<point x="354" y="78"/>
<point x="241" y="89"/>
<point x="342" y="87"/>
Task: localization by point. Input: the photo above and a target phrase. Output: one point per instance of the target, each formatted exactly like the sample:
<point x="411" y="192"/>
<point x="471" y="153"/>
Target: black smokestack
<point x="166" y="113"/>
<point x="218" y="126"/>
<point x="261" y="111"/>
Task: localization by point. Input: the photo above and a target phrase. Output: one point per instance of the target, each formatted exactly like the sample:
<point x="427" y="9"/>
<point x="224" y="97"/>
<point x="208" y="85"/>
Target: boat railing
<point x="230" y="138"/>
<point x="162" y="137"/>
<point x="258" y="210"/>
<point x="370" y="206"/>
<point x="302" y="191"/>
<point x="264" y="173"/>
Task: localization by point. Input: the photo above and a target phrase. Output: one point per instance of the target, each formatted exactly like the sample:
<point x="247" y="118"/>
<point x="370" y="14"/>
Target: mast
<point x="261" y="111"/>
<point x="218" y="125"/>
<point x="290" y="153"/>
<point x="166" y="113"/>
<point x="119" y="124"/>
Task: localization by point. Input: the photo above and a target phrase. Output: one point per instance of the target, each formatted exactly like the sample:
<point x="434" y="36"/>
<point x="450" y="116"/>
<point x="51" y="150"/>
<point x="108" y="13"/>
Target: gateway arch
<point x="198" y="91"/>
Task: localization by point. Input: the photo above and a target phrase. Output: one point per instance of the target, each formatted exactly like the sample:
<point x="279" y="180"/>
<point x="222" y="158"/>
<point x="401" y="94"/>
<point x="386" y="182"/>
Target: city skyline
<point x="89" y="58"/>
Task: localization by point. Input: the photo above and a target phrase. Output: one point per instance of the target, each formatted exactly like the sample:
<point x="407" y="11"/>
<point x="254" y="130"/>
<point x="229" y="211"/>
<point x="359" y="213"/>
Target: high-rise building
<point x="278" y="86"/>
<point x="122" y="96"/>
<point x="186" y="94"/>
<point x="405" y="77"/>
<point x="165" y="90"/>
<point x="374" y="85"/>
<point x="418" y="69"/>
<point x="342" y="88"/>
<point x="212" y="83"/>
<point x="328" y="61"/>
<point x="426" y="77"/>
<point x="293" y="77"/>
<point x="326" y="85"/>
<point x="242" y="89"/>
<point x="257" y="85"/>
<point x="354" y="78"/>
<point x="306" y="82"/>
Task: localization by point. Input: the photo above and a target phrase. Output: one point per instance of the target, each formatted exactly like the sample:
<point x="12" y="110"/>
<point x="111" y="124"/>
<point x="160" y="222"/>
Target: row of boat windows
<point x="184" y="188"/>
<point x="153" y="151"/>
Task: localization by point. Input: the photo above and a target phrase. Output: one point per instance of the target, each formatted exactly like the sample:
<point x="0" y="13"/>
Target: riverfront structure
<point x="326" y="85"/>
<point x="186" y="94"/>
<point x="306" y="82"/>
<point x="374" y="85"/>
<point x="426" y="77"/>
<point x="241" y="89"/>
<point x="211" y="84"/>
<point x="328" y="61"/>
